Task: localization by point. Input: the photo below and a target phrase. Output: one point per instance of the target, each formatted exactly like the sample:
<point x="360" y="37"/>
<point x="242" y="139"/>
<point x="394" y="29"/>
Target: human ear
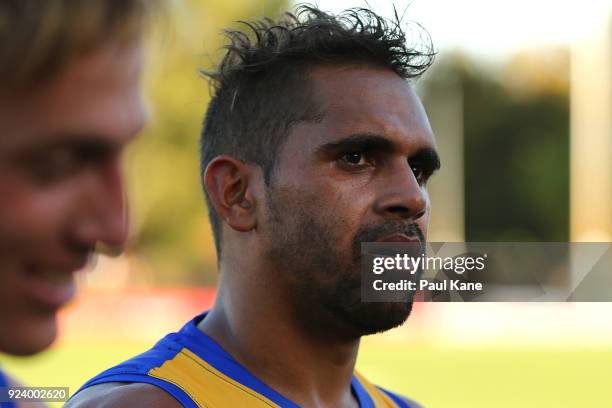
<point x="226" y="180"/>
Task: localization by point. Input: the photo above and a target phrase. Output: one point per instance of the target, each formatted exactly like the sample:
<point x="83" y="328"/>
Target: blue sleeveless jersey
<point x="197" y="372"/>
<point x="4" y="383"/>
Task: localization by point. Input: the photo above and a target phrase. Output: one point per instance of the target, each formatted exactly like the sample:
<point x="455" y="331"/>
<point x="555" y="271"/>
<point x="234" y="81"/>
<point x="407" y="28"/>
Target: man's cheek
<point x="423" y="223"/>
<point x="38" y="215"/>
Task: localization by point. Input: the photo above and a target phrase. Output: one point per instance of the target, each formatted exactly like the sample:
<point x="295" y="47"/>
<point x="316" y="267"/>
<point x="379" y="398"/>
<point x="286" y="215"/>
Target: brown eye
<point x="354" y="158"/>
<point x="420" y="173"/>
<point x="53" y="166"/>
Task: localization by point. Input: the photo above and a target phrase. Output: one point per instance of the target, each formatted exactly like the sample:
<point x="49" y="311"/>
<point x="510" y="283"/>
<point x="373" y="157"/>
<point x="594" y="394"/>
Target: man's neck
<point x="309" y="367"/>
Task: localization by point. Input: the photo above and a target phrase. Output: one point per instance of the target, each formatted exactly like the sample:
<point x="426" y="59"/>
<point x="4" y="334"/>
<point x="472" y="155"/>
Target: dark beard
<point x="324" y="282"/>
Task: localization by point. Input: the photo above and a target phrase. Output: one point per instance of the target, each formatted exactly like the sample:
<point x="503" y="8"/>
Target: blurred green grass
<point x="436" y="378"/>
<point x="493" y="377"/>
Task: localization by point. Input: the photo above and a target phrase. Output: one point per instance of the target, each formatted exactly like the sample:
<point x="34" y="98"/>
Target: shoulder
<point x="123" y="395"/>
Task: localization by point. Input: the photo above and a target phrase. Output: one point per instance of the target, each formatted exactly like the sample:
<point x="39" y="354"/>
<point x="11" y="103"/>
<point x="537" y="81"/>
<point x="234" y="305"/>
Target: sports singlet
<point x="4" y="384"/>
<point x="197" y="372"/>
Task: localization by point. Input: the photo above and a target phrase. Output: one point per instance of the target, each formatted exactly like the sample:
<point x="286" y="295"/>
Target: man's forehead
<point x="50" y="131"/>
<point x="367" y="100"/>
<point x="93" y="97"/>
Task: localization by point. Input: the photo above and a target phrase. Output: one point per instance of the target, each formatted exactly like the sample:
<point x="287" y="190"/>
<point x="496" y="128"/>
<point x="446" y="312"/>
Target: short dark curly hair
<point x="261" y="87"/>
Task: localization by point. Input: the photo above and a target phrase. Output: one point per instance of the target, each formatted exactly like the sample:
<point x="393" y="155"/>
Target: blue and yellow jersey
<point x="197" y="372"/>
<point x="4" y="384"/>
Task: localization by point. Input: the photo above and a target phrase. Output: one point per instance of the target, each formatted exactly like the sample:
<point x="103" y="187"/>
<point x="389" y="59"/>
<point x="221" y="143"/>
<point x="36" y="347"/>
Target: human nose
<point x="106" y="219"/>
<point x="401" y="196"/>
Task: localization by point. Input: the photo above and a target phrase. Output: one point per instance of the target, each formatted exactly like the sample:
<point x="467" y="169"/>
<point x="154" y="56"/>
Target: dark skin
<point x="365" y="162"/>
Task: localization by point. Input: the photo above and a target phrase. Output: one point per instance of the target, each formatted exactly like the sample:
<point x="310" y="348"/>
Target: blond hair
<point x="39" y="37"/>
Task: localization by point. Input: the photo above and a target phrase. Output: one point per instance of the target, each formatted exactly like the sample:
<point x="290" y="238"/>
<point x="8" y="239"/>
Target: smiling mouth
<point x="49" y="288"/>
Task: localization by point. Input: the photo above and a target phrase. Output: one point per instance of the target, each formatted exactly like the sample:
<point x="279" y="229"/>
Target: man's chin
<point x="376" y="317"/>
<point x="29" y="335"/>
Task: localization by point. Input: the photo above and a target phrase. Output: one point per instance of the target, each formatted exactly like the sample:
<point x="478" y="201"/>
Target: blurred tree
<point x="172" y="237"/>
<point x="516" y="145"/>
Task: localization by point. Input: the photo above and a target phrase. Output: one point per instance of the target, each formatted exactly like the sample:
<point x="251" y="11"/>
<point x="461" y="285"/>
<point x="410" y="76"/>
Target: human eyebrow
<point x="428" y="158"/>
<point x="86" y="147"/>
<point x="362" y="142"/>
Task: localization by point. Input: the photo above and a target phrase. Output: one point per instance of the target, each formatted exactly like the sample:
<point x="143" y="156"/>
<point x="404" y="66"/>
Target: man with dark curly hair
<point x="313" y="143"/>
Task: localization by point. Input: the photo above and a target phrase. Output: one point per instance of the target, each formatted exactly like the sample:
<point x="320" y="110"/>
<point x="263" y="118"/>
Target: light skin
<point x="360" y="171"/>
<point x="61" y="184"/>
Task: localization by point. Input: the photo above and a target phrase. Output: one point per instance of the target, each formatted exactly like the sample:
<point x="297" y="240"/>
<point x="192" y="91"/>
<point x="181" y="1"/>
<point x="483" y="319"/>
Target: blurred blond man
<point x="70" y="101"/>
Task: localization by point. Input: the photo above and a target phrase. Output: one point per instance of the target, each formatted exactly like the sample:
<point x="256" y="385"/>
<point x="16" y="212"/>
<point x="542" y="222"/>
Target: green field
<point x="436" y="378"/>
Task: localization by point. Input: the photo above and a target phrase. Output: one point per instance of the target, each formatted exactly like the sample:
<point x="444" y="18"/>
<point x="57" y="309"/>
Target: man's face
<point x="357" y="175"/>
<point x="61" y="189"/>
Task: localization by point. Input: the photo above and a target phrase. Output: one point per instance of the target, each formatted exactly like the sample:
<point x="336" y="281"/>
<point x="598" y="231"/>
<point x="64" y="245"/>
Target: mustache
<point x="371" y="233"/>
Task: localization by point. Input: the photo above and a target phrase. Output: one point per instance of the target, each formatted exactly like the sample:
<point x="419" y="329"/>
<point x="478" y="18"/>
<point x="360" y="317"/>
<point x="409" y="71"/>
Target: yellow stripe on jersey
<point x="207" y="386"/>
<point x="381" y="400"/>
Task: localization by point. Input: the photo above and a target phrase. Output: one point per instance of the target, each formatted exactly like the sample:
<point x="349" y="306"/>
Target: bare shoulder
<point x="123" y="395"/>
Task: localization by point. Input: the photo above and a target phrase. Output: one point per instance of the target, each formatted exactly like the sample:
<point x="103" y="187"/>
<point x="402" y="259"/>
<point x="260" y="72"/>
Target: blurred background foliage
<point x="516" y="143"/>
<point x="171" y="235"/>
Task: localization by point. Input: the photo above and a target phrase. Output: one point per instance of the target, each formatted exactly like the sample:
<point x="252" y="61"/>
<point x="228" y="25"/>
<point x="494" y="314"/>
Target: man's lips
<point x="399" y="238"/>
<point x="49" y="287"/>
